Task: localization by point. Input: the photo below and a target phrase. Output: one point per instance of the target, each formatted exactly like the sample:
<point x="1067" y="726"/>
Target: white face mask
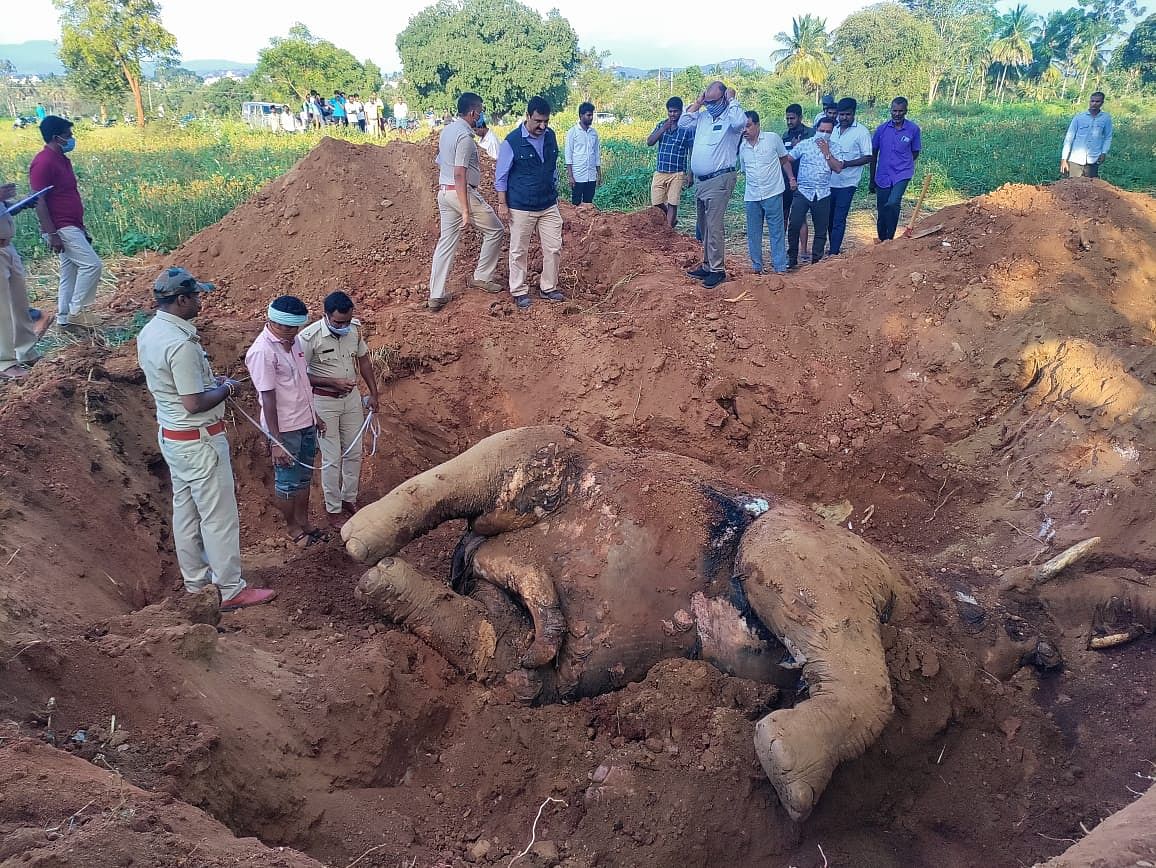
<point x="823" y="137"/>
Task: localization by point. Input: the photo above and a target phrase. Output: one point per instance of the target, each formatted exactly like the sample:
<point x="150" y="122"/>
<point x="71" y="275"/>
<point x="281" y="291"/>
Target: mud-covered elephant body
<point x="623" y="558"/>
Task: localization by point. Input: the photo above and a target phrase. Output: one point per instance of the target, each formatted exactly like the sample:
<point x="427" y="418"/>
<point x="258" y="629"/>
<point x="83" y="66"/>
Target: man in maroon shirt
<point x="61" y="216"/>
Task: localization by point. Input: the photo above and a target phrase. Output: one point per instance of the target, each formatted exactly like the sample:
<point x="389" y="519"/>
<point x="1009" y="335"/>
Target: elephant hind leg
<point x="455" y="626"/>
<point x="499" y="566"/>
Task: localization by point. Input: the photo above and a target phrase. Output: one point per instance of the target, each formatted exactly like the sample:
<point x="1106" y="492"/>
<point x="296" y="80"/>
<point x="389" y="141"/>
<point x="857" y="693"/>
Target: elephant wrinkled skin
<point x="625" y="557"/>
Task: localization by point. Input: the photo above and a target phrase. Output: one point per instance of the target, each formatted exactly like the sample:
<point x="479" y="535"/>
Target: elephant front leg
<point x="455" y="626"/>
<point x="507" y="568"/>
<point x="822" y="591"/>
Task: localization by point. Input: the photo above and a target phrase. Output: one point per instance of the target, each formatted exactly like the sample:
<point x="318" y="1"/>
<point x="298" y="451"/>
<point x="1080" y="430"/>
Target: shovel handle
<point x="919" y="204"/>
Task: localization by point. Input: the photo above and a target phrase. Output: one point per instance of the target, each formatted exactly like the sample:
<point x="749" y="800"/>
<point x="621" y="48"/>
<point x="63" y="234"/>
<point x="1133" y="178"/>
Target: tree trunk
<point x="954" y="91"/>
<point x="134" y="85"/>
<point x="103" y="113"/>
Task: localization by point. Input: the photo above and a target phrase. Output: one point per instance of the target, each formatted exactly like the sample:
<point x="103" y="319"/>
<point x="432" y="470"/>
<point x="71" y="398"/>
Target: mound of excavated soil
<point x="980" y="397"/>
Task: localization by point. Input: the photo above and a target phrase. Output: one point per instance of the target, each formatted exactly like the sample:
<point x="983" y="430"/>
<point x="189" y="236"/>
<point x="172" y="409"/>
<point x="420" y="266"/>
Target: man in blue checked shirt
<point x="814" y="165"/>
<point x="718" y="122"/>
<point x="1088" y="140"/>
<point x="674" y="144"/>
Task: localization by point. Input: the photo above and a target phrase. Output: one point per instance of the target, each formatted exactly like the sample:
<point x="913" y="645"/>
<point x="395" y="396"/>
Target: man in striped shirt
<point x="674" y="144"/>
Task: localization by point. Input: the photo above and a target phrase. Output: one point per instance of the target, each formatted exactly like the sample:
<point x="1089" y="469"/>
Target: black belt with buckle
<point x="714" y="174"/>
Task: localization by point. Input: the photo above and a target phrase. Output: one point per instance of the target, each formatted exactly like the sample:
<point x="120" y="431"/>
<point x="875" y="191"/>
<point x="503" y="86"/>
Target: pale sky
<point x="647" y="34"/>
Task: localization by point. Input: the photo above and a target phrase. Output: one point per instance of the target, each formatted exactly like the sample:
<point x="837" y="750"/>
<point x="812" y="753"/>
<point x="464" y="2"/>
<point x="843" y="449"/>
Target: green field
<point x="153" y="189"/>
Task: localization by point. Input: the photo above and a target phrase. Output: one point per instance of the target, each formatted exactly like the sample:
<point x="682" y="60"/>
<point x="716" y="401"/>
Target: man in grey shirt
<point x="718" y="122"/>
<point x="459" y="203"/>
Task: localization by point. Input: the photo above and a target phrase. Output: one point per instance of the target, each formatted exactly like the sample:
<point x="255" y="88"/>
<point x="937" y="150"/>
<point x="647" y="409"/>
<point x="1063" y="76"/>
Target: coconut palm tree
<point x="805" y="53"/>
<point x="1013" y="48"/>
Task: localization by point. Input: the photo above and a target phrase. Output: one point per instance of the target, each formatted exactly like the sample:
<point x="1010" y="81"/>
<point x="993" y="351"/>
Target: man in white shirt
<point x="401" y="114"/>
<point x="718" y="121"/>
<point x="355" y="108"/>
<point x="460" y="203"/>
<point x="851" y="143"/>
<point x="1088" y="140"/>
<point x="487" y="141"/>
<point x="764" y="160"/>
<point x="583" y="156"/>
<point x="373" y="116"/>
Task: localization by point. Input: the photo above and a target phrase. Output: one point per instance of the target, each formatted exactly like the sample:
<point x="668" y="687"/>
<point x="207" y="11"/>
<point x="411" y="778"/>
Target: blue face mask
<point x="338" y="331"/>
<point x="68" y="144"/>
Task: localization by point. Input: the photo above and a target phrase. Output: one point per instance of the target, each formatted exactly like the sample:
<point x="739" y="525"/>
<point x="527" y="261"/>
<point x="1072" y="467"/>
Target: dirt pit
<point x="969" y="401"/>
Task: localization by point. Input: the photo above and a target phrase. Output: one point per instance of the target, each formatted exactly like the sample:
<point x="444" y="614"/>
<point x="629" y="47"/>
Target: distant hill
<point x="39" y="58"/>
<point x="207" y="67"/>
<point x="33" y="58"/>
<point x="739" y="63"/>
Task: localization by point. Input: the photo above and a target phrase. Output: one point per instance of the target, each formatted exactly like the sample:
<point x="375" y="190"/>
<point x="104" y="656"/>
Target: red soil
<point x="982" y="397"/>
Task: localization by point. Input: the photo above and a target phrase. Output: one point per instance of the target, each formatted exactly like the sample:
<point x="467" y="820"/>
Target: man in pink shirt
<point x="61" y="214"/>
<point x="276" y="363"/>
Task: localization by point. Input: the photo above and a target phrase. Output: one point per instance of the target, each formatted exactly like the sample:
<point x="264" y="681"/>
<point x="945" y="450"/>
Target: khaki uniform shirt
<point x="174" y="364"/>
<point x="327" y="355"/>
<point x="456" y="148"/>
<point x="7" y="227"/>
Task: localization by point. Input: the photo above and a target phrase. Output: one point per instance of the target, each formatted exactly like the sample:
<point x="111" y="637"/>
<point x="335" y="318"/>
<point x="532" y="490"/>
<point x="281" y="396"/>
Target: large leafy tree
<point x="289" y="67"/>
<point x="961" y="27"/>
<point x="500" y="49"/>
<point x="804" y="53"/>
<point x="593" y="81"/>
<point x="1139" y="51"/>
<point x="104" y="42"/>
<point x="876" y="70"/>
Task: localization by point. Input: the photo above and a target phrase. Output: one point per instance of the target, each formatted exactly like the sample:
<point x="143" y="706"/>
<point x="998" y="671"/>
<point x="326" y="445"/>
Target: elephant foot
<point x="525" y="683"/>
<point x="549" y="630"/>
<point x="797" y="758"/>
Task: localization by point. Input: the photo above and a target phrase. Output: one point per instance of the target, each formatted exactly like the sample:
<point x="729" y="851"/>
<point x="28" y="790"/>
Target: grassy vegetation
<point x="155" y="189"/>
<point x="152" y="190"/>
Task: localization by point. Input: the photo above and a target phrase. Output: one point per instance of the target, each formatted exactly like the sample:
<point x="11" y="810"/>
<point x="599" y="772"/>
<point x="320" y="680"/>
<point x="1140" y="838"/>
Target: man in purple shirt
<point x="894" y="149"/>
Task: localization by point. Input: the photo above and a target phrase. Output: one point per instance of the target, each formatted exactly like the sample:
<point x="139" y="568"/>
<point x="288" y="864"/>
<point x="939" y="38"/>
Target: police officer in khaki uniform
<point x="190" y="406"/>
<point x="17" y="337"/>
<point x="335" y="354"/>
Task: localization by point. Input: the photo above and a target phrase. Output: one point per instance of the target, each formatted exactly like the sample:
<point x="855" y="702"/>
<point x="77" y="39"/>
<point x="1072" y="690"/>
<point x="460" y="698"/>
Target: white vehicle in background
<point x="273" y="116"/>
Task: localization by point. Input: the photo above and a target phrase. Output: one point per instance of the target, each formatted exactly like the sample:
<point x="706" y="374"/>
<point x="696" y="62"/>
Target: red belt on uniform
<point x="328" y="393"/>
<point x="446" y="187"/>
<point x="193" y="433"/>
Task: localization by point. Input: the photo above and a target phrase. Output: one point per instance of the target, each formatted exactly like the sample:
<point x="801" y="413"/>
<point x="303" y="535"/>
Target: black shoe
<point x="714" y="279"/>
<point x="522" y="301"/>
<point x="698" y="273"/>
<point x="552" y="295"/>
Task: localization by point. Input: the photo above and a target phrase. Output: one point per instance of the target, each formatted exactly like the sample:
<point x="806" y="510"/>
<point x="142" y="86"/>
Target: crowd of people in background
<point x="799" y="186"/>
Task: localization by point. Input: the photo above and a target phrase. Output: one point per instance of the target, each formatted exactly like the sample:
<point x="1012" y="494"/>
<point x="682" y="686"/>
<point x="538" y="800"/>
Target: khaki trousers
<point x="522" y="226"/>
<point x="206" y="528"/>
<point x="712" y="197"/>
<point x="484" y="219"/>
<point x="17" y="339"/>
<point x="343" y="418"/>
<point x="80" y="270"/>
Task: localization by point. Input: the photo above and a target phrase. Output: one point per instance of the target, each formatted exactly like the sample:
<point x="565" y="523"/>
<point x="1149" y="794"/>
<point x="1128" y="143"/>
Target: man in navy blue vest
<point x="526" y="179"/>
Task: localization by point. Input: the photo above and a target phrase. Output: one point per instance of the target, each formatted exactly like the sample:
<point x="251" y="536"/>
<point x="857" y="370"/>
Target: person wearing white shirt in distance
<point x="583" y="156"/>
<point x="487" y="141"/>
<point x="851" y="143"/>
<point x="764" y="160"/>
<point x="1088" y="140"/>
<point x="718" y="121"/>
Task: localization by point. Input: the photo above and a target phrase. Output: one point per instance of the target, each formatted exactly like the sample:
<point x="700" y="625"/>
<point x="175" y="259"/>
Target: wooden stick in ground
<point x="918" y="205"/>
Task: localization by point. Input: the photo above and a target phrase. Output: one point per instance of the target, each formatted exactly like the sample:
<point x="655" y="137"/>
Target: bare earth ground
<point x="982" y="397"/>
